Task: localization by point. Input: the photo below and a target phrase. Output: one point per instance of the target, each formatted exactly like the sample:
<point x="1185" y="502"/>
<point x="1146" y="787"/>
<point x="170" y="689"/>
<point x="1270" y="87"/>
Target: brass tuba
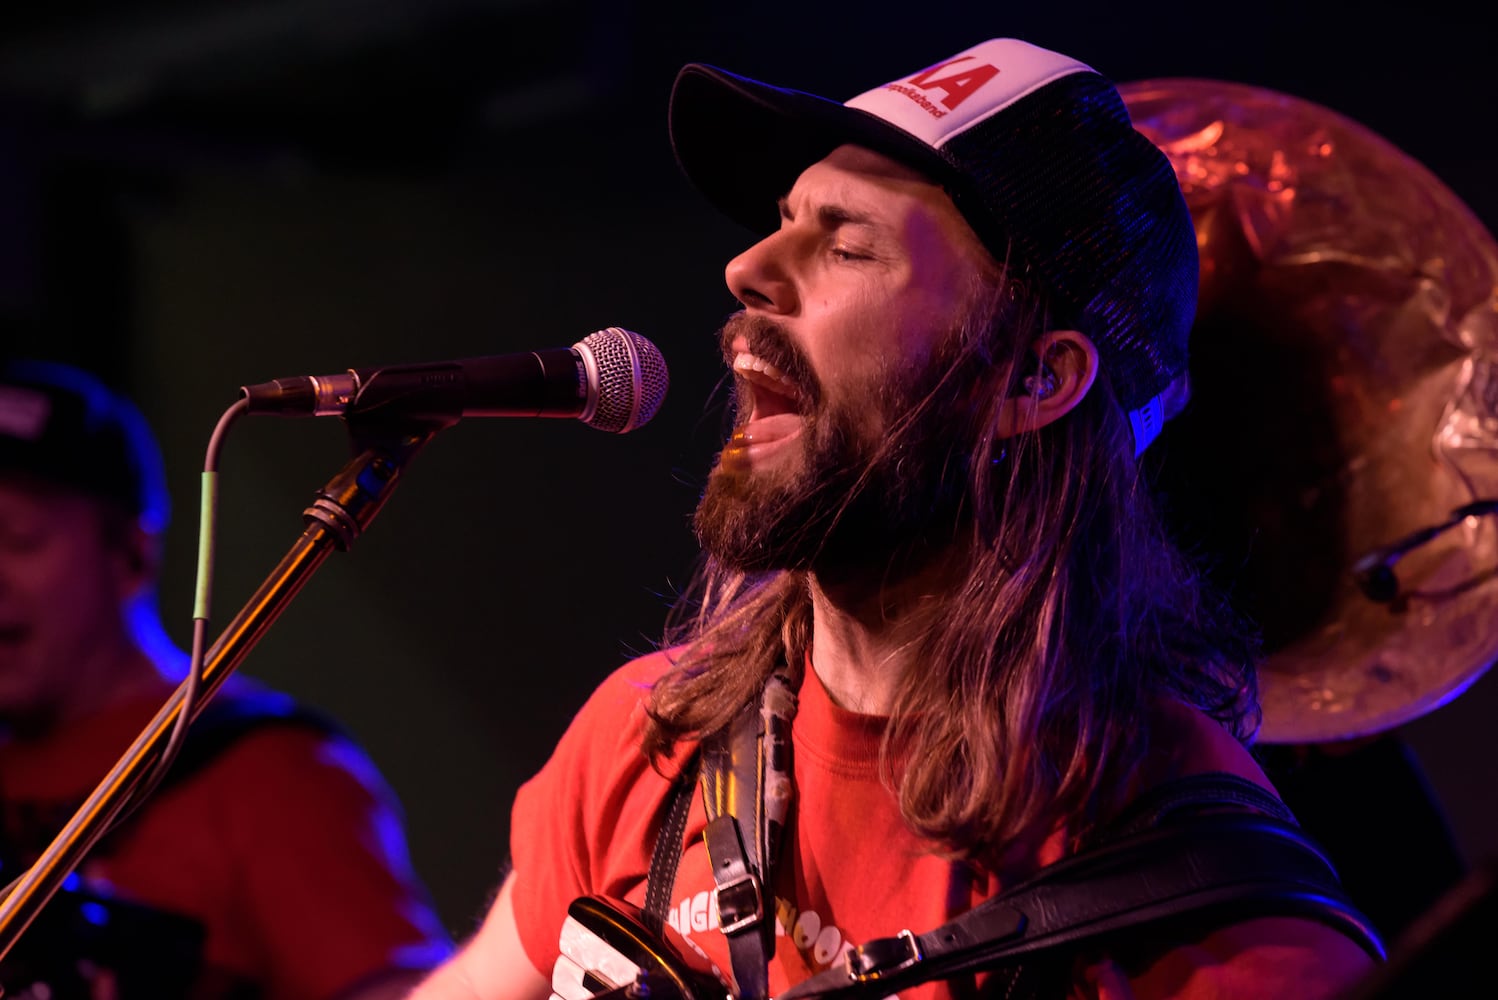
<point x="1338" y="459"/>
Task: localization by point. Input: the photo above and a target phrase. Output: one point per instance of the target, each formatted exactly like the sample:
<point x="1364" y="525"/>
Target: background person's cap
<point x="64" y="426"/>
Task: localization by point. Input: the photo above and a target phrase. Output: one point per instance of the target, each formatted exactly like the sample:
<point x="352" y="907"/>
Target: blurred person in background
<point x="271" y="861"/>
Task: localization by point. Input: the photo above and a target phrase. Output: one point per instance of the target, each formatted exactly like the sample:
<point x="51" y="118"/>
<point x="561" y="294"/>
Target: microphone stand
<point x="342" y="511"/>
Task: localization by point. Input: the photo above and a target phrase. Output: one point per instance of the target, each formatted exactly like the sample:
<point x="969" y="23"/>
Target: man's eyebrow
<point x="831" y="216"/>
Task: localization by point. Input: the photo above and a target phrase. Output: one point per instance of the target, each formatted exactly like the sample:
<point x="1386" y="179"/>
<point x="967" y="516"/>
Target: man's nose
<point x="759" y="277"/>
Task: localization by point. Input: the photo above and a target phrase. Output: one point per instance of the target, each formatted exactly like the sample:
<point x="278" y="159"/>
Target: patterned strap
<point x="777" y="786"/>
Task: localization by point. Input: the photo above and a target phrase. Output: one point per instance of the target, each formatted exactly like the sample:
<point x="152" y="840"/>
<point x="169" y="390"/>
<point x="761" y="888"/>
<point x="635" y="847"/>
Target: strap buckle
<point x="883" y="957"/>
<point x="738" y="904"/>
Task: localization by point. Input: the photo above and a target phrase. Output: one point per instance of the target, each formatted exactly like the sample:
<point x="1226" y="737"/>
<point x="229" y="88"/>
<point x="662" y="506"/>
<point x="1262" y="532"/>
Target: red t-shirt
<point x="287" y="846"/>
<point x="850" y="870"/>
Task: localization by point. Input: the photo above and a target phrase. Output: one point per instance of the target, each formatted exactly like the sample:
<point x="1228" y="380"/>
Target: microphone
<point x="614" y="380"/>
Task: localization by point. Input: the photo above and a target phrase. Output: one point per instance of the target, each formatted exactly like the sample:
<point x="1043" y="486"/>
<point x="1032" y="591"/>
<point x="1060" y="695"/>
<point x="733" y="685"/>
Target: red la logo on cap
<point x="958" y="85"/>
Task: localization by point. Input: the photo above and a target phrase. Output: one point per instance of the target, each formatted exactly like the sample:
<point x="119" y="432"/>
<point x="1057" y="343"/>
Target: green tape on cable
<point x="205" y="545"/>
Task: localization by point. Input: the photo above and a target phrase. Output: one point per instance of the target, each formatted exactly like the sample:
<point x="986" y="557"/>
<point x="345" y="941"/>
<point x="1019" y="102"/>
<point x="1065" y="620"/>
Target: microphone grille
<point x="632" y="379"/>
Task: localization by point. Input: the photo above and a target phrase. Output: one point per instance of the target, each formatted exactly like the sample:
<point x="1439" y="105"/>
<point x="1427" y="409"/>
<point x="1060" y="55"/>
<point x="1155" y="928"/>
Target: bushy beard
<point x="859" y="500"/>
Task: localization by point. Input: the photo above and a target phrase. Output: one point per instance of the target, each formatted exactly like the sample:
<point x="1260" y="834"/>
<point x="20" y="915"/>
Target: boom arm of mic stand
<point x="343" y="509"/>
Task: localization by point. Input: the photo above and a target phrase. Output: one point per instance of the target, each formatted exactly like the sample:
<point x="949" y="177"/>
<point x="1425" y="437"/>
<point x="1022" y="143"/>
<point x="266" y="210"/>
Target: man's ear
<point x="137" y="561"/>
<point x="1062" y="368"/>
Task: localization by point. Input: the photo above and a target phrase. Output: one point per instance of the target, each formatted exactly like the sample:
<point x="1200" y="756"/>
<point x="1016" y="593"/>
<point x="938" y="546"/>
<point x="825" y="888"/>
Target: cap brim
<point x="743" y="143"/>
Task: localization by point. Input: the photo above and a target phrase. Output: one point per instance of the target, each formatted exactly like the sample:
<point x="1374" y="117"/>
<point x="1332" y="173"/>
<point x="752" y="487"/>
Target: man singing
<point x="932" y="557"/>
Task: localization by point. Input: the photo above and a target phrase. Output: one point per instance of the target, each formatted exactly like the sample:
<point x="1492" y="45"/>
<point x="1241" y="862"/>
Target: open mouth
<point x="770" y="412"/>
<point x="770" y="393"/>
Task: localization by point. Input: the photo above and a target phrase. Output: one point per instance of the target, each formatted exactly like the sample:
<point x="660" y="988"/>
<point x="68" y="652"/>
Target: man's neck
<point x="113" y="675"/>
<point x="131" y="674"/>
<point x="866" y="632"/>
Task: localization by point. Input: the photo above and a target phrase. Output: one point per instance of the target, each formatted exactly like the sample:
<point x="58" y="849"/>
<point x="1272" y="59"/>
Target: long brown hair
<point x="1072" y="611"/>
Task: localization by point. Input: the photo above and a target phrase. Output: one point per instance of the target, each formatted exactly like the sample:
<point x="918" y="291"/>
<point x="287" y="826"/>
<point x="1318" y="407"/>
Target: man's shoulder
<point x="623" y="693"/>
<point x="1185" y="741"/>
<point x="252" y="744"/>
<point x="295" y="762"/>
<point x="647" y="668"/>
<point x="617" y="706"/>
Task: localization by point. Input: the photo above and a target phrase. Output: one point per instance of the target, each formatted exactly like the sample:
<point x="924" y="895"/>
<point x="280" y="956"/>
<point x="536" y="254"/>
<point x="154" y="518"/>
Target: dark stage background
<point x="197" y="195"/>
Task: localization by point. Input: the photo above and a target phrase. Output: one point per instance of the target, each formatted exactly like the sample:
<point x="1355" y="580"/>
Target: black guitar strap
<point x="1199" y="852"/>
<point x="666" y="856"/>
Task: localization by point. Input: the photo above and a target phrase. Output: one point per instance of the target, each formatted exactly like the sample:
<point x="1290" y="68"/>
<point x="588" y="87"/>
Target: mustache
<point x="768" y="340"/>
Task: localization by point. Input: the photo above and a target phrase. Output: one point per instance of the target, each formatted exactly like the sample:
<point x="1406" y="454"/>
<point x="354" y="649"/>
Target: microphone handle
<point x="549" y="383"/>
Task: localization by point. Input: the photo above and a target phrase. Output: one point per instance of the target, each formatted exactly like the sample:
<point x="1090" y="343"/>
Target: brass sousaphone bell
<point x="1337" y="463"/>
